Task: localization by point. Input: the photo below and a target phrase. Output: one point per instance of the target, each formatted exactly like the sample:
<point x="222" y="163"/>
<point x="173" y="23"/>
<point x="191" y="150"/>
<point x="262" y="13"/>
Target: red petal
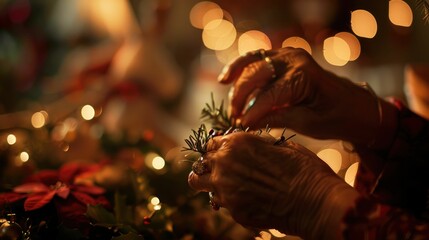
<point x="48" y="177"/>
<point x="10" y="197"/>
<point x="93" y="190"/>
<point x="38" y="200"/>
<point x="31" y="188"/>
<point x="84" y="198"/>
<point x="68" y="171"/>
<point x="63" y="192"/>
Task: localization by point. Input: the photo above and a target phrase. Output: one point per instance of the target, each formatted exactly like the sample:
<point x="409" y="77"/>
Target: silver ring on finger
<point x="200" y="167"/>
<point x="269" y="62"/>
<point x="215" y="206"/>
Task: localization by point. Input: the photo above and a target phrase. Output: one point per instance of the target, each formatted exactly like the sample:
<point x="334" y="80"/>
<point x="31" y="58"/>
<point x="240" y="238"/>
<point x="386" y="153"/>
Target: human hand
<point x="303" y="96"/>
<point x="284" y="187"/>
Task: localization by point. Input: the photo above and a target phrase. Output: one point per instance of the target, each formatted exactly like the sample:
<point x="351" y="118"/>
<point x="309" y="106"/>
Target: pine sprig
<point x="221" y="124"/>
<point x="197" y="141"/>
<point x="424" y="5"/>
<point x="217" y="116"/>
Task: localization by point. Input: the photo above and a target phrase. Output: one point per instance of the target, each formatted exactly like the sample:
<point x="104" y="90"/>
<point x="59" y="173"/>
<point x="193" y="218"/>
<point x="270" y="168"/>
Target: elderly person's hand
<point x="294" y="91"/>
<point x="285" y="187"/>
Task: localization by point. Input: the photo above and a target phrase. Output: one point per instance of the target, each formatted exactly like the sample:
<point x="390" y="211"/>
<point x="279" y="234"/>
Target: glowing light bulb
<point x="297" y="42"/>
<point x="331" y="157"/>
<point x="352" y="42"/>
<point x="24" y="156"/>
<point x="363" y="23"/>
<point x="400" y="13"/>
<point x="155" y="201"/>
<point x="351" y="174"/>
<point x="336" y="51"/>
<point x="158" y="163"/>
<point x="276" y="233"/>
<point x="219" y="34"/>
<point x="204" y="12"/>
<point x="11" y="139"/>
<point x="38" y="119"/>
<point x="253" y="40"/>
<point x="87" y="112"/>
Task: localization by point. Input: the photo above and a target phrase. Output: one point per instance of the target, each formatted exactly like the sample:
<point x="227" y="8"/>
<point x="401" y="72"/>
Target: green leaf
<point x="129" y="236"/>
<point x="100" y="214"/>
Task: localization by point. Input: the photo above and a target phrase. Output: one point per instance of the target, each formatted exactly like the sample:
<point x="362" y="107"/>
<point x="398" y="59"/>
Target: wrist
<point x="336" y="205"/>
<point x="386" y="131"/>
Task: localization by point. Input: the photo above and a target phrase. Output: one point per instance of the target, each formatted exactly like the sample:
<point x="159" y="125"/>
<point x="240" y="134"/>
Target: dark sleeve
<point x="396" y="178"/>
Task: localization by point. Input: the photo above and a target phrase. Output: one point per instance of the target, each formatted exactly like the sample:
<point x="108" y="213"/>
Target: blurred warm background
<point x="116" y="86"/>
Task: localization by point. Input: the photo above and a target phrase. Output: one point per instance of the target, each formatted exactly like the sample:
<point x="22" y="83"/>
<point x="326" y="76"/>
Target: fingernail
<point x="231" y="93"/>
<point x="249" y="105"/>
<point x="222" y="76"/>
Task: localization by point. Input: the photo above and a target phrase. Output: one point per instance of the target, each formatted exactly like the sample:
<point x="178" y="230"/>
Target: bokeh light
<point x="228" y="55"/>
<point x="158" y="163"/>
<point x="38" y="119"/>
<point x="155" y="201"/>
<point x="363" y="23"/>
<point x="336" y="51"/>
<point x="352" y="42"/>
<point x="332" y="157"/>
<point x="204" y="12"/>
<point x="24" y="156"/>
<point x="253" y="40"/>
<point x="351" y="172"/>
<point x="400" y="13"/>
<point x="276" y="233"/>
<point x="297" y="42"/>
<point x="11" y="139"/>
<point x="115" y="17"/>
<point x="219" y="34"/>
<point x="87" y="112"/>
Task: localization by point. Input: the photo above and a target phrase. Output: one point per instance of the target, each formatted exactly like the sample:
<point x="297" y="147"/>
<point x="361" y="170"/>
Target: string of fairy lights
<point x="220" y="34"/>
<point x="64" y="132"/>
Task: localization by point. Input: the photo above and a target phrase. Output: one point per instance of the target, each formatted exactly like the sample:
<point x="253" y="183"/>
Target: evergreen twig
<point x="424" y="5"/>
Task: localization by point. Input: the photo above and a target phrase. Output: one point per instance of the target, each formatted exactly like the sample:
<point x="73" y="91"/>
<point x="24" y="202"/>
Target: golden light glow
<point x="24" y="156"/>
<point x="253" y="40"/>
<point x="219" y="34"/>
<point x="336" y="51"/>
<point x="400" y="13"/>
<point x="363" y="23"/>
<point x="228" y="55"/>
<point x="331" y="157"/>
<point x="353" y="42"/>
<point x="157" y="207"/>
<point x="38" y="119"/>
<point x="87" y="112"/>
<point x="297" y="42"/>
<point x="155" y="201"/>
<point x="276" y="233"/>
<point x="351" y="174"/>
<point x="115" y="17"/>
<point x="204" y="12"/>
<point x="11" y="139"/>
<point x="158" y="163"/>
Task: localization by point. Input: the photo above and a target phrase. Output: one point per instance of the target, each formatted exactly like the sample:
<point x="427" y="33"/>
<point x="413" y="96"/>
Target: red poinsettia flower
<point x="47" y="184"/>
<point x="70" y="199"/>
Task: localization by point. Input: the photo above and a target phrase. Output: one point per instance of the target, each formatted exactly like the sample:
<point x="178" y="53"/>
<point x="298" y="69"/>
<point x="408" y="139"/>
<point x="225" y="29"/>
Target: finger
<point x="200" y="183"/>
<point x="254" y="77"/>
<point x="266" y="102"/>
<point x="215" y="143"/>
<point x="233" y="71"/>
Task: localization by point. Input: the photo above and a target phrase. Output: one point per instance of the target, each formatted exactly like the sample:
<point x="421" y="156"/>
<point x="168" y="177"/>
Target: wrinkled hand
<point x="267" y="186"/>
<point x="303" y="97"/>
